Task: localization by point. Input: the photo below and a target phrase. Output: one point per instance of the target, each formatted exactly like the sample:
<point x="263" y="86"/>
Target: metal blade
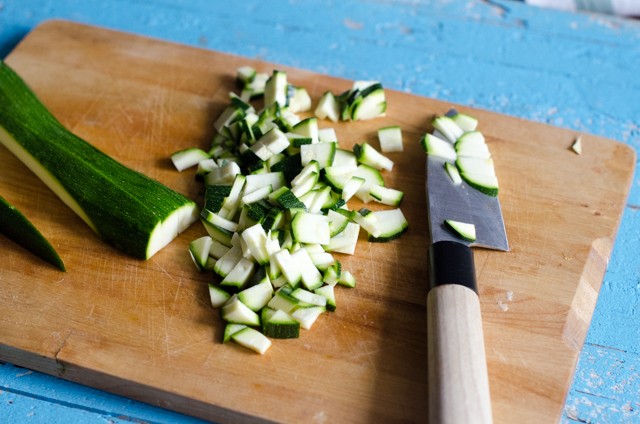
<point x="445" y="200"/>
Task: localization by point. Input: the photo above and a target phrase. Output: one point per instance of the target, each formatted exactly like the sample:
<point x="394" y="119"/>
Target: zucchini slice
<point x="18" y="228"/>
<point x="465" y="230"/>
<point x="113" y="200"/>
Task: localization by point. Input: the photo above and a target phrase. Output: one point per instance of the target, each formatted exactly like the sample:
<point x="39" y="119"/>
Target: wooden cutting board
<point x="146" y="330"/>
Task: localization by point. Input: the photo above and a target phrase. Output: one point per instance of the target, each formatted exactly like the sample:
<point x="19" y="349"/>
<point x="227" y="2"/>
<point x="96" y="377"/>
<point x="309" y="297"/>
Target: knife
<point x="458" y="380"/>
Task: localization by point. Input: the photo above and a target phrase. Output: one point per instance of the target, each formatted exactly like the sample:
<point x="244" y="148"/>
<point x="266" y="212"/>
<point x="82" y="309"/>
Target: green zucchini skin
<point x="18" y="228"/>
<point x="124" y="207"/>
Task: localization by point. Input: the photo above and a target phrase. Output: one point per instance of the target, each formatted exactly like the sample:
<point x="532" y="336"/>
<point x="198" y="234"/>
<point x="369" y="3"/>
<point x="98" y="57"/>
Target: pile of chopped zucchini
<point x="275" y="207"/>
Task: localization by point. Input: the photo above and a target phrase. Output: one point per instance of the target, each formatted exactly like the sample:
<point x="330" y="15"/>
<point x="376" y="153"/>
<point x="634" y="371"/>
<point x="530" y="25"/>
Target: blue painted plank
<point x="28" y="396"/>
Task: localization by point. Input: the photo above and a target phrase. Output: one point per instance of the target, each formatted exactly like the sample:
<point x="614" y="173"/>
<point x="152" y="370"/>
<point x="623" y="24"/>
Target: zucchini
<point x="389" y="225"/>
<point x="278" y="324"/>
<point x="276" y="205"/>
<point x="453" y="172"/>
<point x="252" y="339"/>
<point x="464" y="230"/>
<point x="111" y="199"/>
<point x="189" y="157"/>
<point x="448" y="128"/>
<point x="437" y="147"/>
<point x="390" y="139"/>
<point x="368" y="155"/>
<point x="18" y="228"/>
<point x="328" y="107"/>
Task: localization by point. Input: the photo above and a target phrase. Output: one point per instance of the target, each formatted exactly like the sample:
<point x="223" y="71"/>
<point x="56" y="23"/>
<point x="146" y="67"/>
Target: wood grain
<point x="145" y="329"/>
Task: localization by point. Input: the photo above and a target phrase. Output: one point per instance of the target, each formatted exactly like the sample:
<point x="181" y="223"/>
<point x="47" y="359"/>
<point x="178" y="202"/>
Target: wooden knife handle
<point x="457" y="366"/>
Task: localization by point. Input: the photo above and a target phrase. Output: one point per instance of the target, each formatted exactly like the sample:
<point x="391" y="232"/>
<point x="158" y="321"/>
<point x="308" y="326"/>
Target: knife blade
<point x="458" y="380"/>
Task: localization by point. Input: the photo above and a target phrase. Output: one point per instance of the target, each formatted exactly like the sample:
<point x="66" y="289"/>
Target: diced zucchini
<point x="289" y="267"/>
<point x="332" y="274"/>
<point x="215" y="194"/>
<point x="453" y="172"/>
<point x="305" y="185"/>
<point x="256" y="181"/>
<point x="252" y="339"/>
<point x="351" y="187"/>
<point x="347" y="279"/>
<point x="345" y="158"/>
<point x="275" y="89"/>
<point x="230" y="330"/>
<point x="217" y="220"/>
<point x="256" y="297"/>
<point x="448" y="128"/>
<point x="371" y="176"/>
<point x="307" y="128"/>
<point x="309" y="274"/>
<point x="218" y="296"/>
<point x="465" y="230"/>
<point x="345" y="241"/>
<point x="327" y="135"/>
<point x="337" y="222"/>
<point x="199" y="251"/>
<point x="238" y="277"/>
<point x="389" y="225"/>
<point x="486" y="183"/>
<point x="189" y="157"/>
<point x="310" y="228"/>
<point x="308" y="298"/>
<point x="245" y="75"/>
<point x="329" y="294"/>
<point x="255" y="238"/>
<point x="236" y="312"/>
<point x="308" y="316"/>
<point x="283" y="300"/>
<point x="218" y="234"/>
<point x="328" y="107"/>
<point x="385" y="195"/>
<point x="270" y="144"/>
<point x="472" y="144"/>
<point x="465" y="122"/>
<point x="279" y="325"/>
<point x="390" y="139"/>
<point x="225" y="174"/>
<point x="322" y="260"/>
<point x="368" y="155"/>
<point x="228" y="261"/>
<point x="370" y="104"/>
<point x="299" y="99"/>
<point x="435" y="146"/>
<point x="322" y="153"/>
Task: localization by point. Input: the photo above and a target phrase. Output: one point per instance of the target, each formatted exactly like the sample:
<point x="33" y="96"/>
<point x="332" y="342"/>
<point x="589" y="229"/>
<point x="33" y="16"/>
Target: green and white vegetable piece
<point x="18" y="228"/>
<point x="111" y="198"/>
<point x="390" y="139"/>
<point x="456" y="140"/>
<point x="275" y="209"/>
<point x="463" y="229"/>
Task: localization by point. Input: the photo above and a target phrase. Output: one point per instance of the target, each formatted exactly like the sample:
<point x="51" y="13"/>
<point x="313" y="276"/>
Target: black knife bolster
<point x="451" y="263"/>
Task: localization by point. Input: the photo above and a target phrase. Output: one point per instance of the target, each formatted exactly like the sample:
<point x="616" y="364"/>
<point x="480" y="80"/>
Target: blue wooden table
<point x="578" y="71"/>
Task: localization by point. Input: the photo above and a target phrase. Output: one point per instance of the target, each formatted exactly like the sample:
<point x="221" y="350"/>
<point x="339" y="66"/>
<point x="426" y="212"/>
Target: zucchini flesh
<point x="113" y="200"/>
<point x="18" y="228"/>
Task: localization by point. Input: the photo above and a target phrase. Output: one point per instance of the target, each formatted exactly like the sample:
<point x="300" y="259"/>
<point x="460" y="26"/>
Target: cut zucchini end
<point x="174" y="224"/>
